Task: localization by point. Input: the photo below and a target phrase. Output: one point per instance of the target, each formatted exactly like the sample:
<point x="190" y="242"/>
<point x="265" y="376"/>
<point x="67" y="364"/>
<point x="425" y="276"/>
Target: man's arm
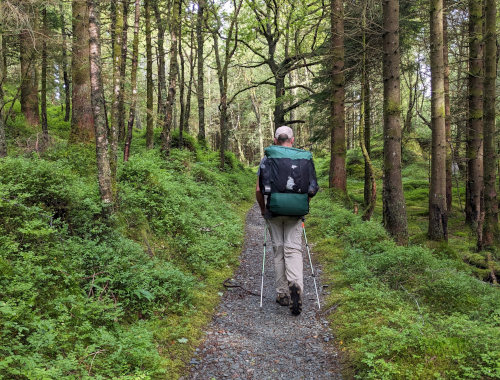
<point x="260" y="198"/>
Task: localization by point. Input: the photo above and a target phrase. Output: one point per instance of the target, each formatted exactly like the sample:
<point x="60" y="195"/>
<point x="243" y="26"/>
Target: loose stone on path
<point x="244" y="341"/>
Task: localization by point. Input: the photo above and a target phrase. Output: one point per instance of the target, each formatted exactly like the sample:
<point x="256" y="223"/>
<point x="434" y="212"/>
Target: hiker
<point x="287" y="178"/>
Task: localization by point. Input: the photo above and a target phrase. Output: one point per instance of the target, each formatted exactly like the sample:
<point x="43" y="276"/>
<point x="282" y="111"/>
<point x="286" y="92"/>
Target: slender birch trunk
<point x="133" y="80"/>
<point x="98" y="105"/>
<point x="200" y="92"/>
<point x="149" y="77"/>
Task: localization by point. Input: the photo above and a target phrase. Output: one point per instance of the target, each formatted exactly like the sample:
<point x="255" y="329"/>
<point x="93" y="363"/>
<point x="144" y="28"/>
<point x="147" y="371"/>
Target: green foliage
<point x="404" y="312"/>
<point x="80" y="296"/>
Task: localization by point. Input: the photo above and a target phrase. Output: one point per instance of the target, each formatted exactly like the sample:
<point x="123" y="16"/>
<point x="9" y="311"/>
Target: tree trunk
<point x="447" y="108"/>
<point x="491" y="233"/>
<point x="67" y="94"/>
<point x="172" y="76"/>
<point x="437" y="195"/>
<point x="368" y="188"/>
<point x="338" y="176"/>
<point x="117" y="88"/>
<point x="98" y="105"/>
<point x="3" y="141"/>
<point x="256" y="111"/>
<point x="45" y="127"/>
<point x="200" y="93"/>
<point x="162" y="86"/>
<point x="29" y="76"/>
<point x="133" y="79"/>
<point x="123" y="67"/>
<point x="82" y="120"/>
<point x="394" y="208"/>
<point x="182" y="77"/>
<point x="149" y="78"/>
<point x="192" y="61"/>
<point x="475" y="131"/>
<point x="365" y="105"/>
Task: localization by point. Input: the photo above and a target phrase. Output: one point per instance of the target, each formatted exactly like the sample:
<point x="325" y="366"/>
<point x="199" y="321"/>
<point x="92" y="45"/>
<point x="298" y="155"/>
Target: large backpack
<point x="288" y="176"/>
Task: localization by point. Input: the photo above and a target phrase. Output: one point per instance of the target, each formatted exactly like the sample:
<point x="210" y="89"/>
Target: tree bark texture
<point x="368" y="188"/>
<point x="123" y="67"/>
<point x="447" y="109"/>
<point x="43" y="95"/>
<point x="490" y="230"/>
<point x="3" y="141"/>
<point x="182" y="83"/>
<point x="394" y="208"/>
<point x="365" y="105"/>
<point x="98" y="104"/>
<point x="338" y="175"/>
<point x="117" y="85"/>
<point x="192" y="61"/>
<point x="29" y="75"/>
<point x="200" y="93"/>
<point x="438" y="221"/>
<point x="172" y="76"/>
<point x="162" y="86"/>
<point x="67" y="90"/>
<point x="149" y="78"/>
<point x="133" y="80"/>
<point x="475" y="185"/>
<point x="82" y="120"/>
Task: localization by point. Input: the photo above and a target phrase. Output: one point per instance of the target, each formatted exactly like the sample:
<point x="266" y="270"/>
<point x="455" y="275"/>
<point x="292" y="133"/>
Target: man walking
<point x="287" y="177"/>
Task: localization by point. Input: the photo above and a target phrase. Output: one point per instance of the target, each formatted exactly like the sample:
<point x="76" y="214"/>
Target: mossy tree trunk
<point x="182" y="83"/>
<point x="116" y="93"/>
<point x="192" y="61"/>
<point x="82" y="120"/>
<point x="172" y="76"/>
<point x="475" y="185"/>
<point x="447" y="108"/>
<point x="67" y="91"/>
<point x="438" y="216"/>
<point x="394" y="208"/>
<point x="338" y="175"/>
<point x="43" y="94"/>
<point x="123" y="67"/>
<point x="98" y="104"/>
<point x="200" y="91"/>
<point x="162" y="85"/>
<point x="149" y="77"/>
<point x="3" y="141"/>
<point x="364" y="126"/>
<point x="29" y="72"/>
<point x="133" y="81"/>
<point x="490" y="231"/>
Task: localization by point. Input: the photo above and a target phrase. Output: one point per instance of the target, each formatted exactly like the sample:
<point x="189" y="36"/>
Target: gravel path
<point x="246" y="342"/>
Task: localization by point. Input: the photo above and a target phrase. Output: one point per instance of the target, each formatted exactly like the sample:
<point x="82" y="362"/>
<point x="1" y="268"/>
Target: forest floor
<point x="244" y="341"/>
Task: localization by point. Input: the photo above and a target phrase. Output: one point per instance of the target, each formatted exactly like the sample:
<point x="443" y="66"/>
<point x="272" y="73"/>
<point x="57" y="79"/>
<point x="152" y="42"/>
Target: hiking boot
<point x="283" y="299"/>
<point x="296" y="298"/>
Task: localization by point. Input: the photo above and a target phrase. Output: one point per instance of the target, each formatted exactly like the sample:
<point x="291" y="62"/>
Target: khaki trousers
<point x="286" y="236"/>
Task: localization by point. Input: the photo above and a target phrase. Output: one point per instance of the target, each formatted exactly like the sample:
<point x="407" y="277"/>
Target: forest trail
<point x="245" y="342"/>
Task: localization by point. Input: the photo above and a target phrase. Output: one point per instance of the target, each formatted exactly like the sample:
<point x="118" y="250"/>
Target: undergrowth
<point x="85" y="296"/>
<point x="403" y="312"/>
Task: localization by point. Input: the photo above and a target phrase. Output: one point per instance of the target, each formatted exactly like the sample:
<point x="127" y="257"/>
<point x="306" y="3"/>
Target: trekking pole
<point x="310" y="262"/>
<point x="263" y="265"/>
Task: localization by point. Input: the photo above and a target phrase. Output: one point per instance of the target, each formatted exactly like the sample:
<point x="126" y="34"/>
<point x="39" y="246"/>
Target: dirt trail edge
<point x="246" y="342"/>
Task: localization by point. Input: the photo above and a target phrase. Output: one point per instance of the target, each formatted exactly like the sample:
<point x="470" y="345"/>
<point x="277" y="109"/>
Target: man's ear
<point x="275" y="142"/>
<point x="292" y="140"/>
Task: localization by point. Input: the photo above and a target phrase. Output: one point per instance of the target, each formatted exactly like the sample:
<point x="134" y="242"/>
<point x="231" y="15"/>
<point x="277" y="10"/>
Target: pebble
<point x="247" y="342"/>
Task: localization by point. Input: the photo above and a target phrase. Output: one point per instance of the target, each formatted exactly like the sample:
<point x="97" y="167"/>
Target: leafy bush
<point x="78" y="296"/>
<point x="404" y="312"/>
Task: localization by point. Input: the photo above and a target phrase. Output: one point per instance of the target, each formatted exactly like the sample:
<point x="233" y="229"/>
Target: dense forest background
<point x="126" y="133"/>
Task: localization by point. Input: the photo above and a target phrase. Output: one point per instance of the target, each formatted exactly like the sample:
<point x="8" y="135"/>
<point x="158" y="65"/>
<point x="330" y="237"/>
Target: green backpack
<point x="288" y="176"/>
